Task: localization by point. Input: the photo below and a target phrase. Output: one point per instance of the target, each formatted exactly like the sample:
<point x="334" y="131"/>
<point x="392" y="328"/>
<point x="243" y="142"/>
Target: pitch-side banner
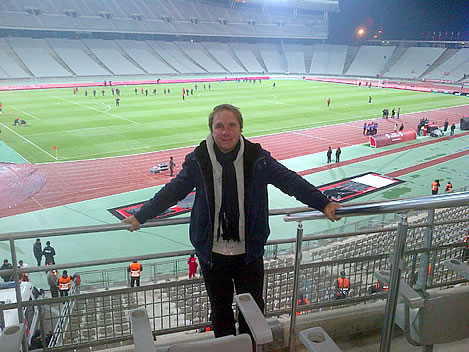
<point x="381" y="140"/>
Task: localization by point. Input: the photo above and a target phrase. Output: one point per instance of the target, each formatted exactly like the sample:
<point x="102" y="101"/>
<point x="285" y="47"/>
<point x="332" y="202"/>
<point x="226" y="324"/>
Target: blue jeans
<point x="221" y="278"/>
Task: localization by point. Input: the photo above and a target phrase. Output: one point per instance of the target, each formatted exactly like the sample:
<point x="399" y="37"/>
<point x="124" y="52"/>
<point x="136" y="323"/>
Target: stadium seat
<point x="436" y="319"/>
<point x="260" y="330"/>
<point x="11" y="337"/>
<point x="317" y="340"/>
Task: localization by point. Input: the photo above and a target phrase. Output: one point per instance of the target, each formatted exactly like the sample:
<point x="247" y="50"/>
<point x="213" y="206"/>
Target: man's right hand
<point x="134" y="223"/>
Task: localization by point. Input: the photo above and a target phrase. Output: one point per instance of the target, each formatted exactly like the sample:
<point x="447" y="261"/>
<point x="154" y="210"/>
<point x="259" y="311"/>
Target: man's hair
<point x="20" y="261"/>
<point x="223" y="107"/>
<point x="64" y="272"/>
<point x="38" y="240"/>
<point x="342" y="273"/>
<point x="48" y="243"/>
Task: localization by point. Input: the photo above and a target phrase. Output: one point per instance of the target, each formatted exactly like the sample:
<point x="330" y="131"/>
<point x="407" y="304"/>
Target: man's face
<point x="226" y="131"/>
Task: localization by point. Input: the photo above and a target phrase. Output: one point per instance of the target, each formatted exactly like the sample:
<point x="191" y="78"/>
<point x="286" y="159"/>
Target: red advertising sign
<point x="381" y="140"/>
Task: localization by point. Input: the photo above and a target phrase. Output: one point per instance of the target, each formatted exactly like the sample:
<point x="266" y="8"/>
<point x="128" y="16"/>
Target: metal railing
<point x="398" y="255"/>
<point x="100" y="317"/>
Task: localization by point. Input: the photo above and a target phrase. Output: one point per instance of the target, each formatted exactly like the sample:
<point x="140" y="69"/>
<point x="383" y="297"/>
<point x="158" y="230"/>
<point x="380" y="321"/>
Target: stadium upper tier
<point x="165" y="17"/>
<point x="59" y="57"/>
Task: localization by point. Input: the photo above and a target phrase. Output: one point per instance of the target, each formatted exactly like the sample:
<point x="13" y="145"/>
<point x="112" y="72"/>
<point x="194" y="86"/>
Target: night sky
<point x="400" y="19"/>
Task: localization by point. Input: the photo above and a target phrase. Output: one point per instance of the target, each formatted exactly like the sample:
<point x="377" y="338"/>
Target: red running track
<point x="69" y="182"/>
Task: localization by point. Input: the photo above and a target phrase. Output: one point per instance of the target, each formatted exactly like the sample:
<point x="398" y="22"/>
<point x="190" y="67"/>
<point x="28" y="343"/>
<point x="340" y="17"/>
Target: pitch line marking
<point x="321" y="138"/>
<point x="24" y="112"/>
<point x="89" y="107"/>
<point x="27" y="140"/>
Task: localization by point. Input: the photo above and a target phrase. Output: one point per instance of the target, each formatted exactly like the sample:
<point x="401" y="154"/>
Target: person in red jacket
<point x="192" y="261"/>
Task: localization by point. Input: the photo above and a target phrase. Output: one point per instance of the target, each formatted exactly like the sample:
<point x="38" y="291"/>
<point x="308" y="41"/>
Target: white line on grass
<point x="76" y="130"/>
<point x="88" y="107"/>
<point x="27" y="140"/>
<point x="24" y="112"/>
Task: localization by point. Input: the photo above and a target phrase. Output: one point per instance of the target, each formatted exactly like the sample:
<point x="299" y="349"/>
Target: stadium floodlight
<point x="361" y="32"/>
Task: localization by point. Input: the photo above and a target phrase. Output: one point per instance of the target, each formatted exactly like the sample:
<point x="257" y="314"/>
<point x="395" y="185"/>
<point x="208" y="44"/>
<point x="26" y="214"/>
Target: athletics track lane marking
<point x="27" y="140"/>
<point x="88" y="107"/>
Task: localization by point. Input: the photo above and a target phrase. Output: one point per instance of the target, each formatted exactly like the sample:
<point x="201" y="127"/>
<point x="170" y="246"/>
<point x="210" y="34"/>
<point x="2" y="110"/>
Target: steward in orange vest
<point x="65" y="283"/>
<point x="135" y="269"/>
<point x="449" y="187"/>
<point x="465" y="252"/>
<point x="435" y="185"/>
<point x="301" y="301"/>
<point x="342" y="286"/>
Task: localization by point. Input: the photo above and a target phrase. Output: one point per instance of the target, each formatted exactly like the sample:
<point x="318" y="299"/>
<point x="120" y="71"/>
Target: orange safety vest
<point x="344" y="283"/>
<point x="302" y="302"/>
<point x="135" y="269"/>
<point x="448" y="187"/>
<point x="385" y="287"/>
<point x="65" y="283"/>
<point x="467" y="241"/>
<point x="434" y="186"/>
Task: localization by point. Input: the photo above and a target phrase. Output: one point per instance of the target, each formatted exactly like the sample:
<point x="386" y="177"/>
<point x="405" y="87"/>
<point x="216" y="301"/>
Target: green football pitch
<point x="87" y="127"/>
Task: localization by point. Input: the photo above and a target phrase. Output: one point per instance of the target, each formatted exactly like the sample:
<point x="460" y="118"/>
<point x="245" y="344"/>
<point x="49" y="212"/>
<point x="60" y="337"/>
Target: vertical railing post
<point x="425" y="256"/>
<point x="391" y="302"/>
<point x="19" y="300"/>
<point x="299" y="239"/>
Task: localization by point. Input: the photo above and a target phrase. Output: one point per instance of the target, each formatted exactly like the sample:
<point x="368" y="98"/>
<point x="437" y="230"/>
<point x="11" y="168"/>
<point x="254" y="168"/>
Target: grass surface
<point x="93" y="127"/>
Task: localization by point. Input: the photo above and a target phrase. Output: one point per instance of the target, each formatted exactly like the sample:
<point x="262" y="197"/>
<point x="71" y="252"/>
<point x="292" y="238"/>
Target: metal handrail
<point x="393" y="206"/>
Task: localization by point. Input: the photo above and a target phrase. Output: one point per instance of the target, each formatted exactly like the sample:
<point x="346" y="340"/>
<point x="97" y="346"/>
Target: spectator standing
<point x="329" y="154"/>
<point x="6" y="265"/>
<point x="192" y="262"/>
<point x="435" y="186"/>
<point x="229" y="218"/>
<point x="337" y="155"/>
<point x="172" y="165"/>
<point x="449" y="187"/>
<point x="37" y="251"/>
<point x="52" y="282"/>
<point x="135" y="270"/>
<point x="342" y="286"/>
<point x="49" y="253"/>
<point x="445" y="126"/>
<point x="65" y="283"/>
<point x="453" y="127"/>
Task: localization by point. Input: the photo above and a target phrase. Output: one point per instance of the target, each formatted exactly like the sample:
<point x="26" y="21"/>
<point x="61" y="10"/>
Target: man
<point x="329" y="154"/>
<point x="23" y="276"/>
<point x="135" y="269"/>
<point x="337" y="155"/>
<point x="445" y="126"/>
<point x="65" y="283"/>
<point x="328" y="102"/>
<point x="37" y="250"/>
<point x="52" y="282"/>
<point x="229" y="218"/>
<point x="435" y="186"/>
<point x="453" y="127"/>
<point x="449" y="187"/>
<point x="342" y="286"/>
<point x="171" y="165"/>
<point x="302" y="301"/>
<point x="192" y="262"/>
<point x="49" y="253"/>
<point x="465" y="251"/>
<point x="6" y="266"/>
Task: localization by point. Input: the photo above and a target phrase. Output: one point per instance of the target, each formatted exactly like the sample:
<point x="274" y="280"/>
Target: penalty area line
<point x="24" y="112"/>
<point x="27" y="140"/>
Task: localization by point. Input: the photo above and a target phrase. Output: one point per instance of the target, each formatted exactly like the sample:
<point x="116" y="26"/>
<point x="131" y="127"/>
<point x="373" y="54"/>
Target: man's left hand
<point x="330" y="209"/>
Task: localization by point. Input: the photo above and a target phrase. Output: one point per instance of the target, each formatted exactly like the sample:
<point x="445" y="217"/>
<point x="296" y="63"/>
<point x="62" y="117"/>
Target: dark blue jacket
<point x="260" y="169"/>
